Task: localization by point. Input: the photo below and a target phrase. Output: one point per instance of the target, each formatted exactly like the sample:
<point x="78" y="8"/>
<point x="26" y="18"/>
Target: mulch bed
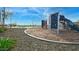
<point x="27" y="43"/>
<point x="64" y="36"/>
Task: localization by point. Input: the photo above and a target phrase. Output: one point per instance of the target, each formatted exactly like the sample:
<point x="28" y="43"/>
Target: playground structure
<point x="60" y="23"/>
<point x="44" y="24"/>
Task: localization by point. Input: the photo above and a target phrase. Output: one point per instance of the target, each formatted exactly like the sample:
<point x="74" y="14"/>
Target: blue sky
<point x="29" y="15"/>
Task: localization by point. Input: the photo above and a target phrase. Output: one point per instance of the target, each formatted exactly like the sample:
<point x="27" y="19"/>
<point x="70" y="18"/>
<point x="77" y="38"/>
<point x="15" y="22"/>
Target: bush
<point x="6" y="44"/>
<point x="2" y="30"/>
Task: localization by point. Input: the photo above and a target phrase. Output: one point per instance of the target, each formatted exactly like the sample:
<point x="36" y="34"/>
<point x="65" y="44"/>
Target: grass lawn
<point x="6" y="44"/>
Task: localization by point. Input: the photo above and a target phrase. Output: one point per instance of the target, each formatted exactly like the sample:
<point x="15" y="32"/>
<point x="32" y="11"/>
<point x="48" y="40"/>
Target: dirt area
<point x="27" y="43"/>
<point x="64" y="36"/>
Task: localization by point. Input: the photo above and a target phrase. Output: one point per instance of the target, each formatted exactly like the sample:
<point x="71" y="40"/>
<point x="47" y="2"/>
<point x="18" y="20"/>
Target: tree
<point x="5" y="15"/>
<point x="13" y="24"/>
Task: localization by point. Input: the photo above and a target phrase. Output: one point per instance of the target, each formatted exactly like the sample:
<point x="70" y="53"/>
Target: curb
<point x="25" y="31"/>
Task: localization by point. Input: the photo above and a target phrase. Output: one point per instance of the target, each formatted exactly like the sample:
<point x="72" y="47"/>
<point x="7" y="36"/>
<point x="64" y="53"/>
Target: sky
<point x="34" y="15"/>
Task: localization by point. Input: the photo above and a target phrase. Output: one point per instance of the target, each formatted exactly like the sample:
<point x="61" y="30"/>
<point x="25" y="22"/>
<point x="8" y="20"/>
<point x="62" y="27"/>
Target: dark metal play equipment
<point x="66" y="23"/>
<point x="44" y="24"/>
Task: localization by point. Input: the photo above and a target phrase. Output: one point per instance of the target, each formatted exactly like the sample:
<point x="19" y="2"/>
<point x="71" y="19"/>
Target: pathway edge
<point x="25" y="31"/>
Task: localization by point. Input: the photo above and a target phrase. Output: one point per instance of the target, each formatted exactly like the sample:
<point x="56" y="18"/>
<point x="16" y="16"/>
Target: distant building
<point x="44" y="24"/>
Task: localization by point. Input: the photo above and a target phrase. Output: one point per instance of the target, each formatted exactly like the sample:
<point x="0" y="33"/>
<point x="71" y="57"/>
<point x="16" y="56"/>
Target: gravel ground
<point x="27" y="43"/>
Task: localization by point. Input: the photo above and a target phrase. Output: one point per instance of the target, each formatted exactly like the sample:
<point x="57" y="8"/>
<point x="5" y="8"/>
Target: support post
<point x="58" y="23"/>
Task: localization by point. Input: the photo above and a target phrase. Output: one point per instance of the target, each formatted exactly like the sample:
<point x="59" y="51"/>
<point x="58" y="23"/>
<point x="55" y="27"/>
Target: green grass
<point x="6" y="44"/>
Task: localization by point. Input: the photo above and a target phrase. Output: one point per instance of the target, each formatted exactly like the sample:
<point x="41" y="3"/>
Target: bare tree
<point x="5" y="15"/>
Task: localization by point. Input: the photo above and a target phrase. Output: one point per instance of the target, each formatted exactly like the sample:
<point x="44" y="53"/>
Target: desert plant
<point x="6" y="44"/>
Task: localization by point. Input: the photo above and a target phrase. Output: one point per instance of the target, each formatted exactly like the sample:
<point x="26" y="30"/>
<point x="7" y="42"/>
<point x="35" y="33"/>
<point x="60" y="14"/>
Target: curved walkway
<point x="27" y="43"/>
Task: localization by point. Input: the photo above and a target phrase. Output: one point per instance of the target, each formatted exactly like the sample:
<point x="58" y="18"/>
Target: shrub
<point x="6" y="44"/>
<point x="2" y="30"/>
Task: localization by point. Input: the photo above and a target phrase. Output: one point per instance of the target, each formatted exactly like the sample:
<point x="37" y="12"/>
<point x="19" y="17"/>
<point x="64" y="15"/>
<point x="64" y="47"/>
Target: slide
<point x="72" y="25"/>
